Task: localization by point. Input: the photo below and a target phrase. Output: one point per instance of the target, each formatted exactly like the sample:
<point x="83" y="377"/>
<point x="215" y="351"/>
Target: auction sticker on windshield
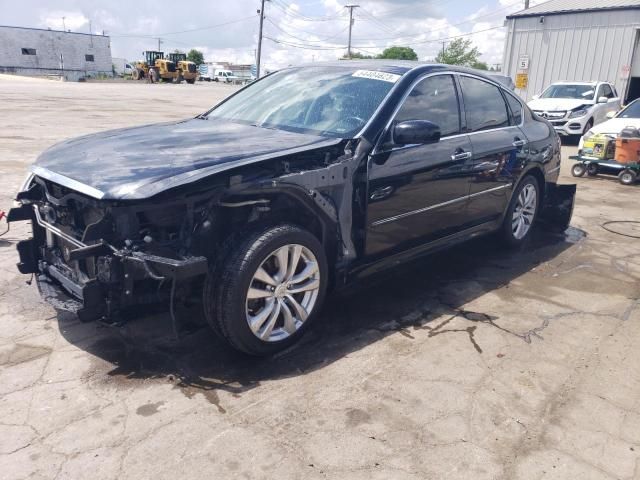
<point x="374" y="75"/>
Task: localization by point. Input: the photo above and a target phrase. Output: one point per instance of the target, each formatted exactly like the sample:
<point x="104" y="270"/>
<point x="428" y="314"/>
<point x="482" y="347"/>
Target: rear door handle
<point x="519" y="143"/>
<point x="456" y="157"/>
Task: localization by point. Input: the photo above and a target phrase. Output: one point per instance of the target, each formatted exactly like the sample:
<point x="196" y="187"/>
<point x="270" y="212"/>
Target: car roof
<point x="399" y="67"/>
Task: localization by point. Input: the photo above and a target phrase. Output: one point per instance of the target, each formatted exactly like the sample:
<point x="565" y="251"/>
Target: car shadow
<point x="400" y="301"/>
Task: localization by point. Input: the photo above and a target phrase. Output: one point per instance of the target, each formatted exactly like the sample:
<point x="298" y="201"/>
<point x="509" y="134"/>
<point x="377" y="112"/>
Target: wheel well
<point x="279" y="209"/>
<point x="536" y="173"/>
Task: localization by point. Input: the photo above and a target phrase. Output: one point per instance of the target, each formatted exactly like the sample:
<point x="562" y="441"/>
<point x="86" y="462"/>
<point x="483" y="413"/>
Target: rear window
<point x="516" y="108"/>
<point x="483" y="104"/>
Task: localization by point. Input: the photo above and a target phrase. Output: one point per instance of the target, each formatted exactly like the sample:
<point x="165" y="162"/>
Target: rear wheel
<point x="522" y="211"/>
<point x="155" y="76"/>
<point x="136" y="74"/>
<point x="178" y="79"/>
<point x="268" y="289"/>
<point x="592" y="169"/>
<point x="627" y="177"/>
<point x="191" y="81"/>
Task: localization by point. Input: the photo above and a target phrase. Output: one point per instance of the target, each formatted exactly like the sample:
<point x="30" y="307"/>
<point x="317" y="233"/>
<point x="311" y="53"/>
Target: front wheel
<point x="268" y="290"/>
<point x="578" y="170"/>
<point x="521" y="212"/>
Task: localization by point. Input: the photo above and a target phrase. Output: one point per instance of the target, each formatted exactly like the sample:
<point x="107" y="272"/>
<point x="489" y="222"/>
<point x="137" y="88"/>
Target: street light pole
<point x="258" y="57"/>
<point x="350" y="7"/>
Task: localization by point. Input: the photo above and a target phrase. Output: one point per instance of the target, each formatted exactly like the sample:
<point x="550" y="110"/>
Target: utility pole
<point x="259" y="55"/>
<point x="64" y="27"/>
<point x="350" y="7"/>
<point x="159" y="43"/>
<point x="443" y="47"/>
<point x="526" y="4"/>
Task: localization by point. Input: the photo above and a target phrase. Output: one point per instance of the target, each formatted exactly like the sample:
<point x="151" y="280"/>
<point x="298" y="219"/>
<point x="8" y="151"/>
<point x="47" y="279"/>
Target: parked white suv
<point x="574" y="107"/>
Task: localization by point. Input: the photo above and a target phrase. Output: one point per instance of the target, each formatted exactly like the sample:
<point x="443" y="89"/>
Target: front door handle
<point x="381" y="193"/>
<point x="460" y="155"/>
<point x="517" y="142"/>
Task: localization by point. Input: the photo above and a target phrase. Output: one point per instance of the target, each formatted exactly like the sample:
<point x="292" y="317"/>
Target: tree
<point x="479" y="65"/>
<point x="195" y="56"/>
<point x="356" y="56"/>
<point x="399" y="53"/>
<point x="460" y="52"/>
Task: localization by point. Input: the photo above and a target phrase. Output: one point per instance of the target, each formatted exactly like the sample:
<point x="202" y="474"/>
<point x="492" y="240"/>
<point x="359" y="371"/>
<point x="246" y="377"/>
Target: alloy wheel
<point x="282" y="293"/>
<point x="524" y="211"/>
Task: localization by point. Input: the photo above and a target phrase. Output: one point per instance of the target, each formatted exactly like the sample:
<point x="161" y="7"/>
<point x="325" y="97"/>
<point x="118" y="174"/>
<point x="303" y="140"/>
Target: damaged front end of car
<point x="99" y="257"/>
<point x="106" y="256"/>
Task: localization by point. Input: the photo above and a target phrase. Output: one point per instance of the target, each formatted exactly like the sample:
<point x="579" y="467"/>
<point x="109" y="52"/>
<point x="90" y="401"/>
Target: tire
<point x="592" y="169"/>
<point x="191" y="81"/>
<point x="136" y="74"/>
<point x="578" y="170"/>
<point x="627" y="177"/>
<point x="588" y="126"/>
<point x="178" y="79"/>
<point x="522" y="212"/>
<point x="278" y="317"/>
<point x="155" y="76"/>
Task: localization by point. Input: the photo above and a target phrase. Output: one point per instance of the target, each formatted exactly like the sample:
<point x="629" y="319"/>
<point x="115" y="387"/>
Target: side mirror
<point x="535" y="97"/>
<point x="415" y="132"/>
<point x="603" y="99"/>
<point x="611" y="114"/>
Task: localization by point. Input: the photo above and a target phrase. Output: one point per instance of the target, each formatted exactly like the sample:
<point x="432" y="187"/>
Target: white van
<point x="222" y="75"/>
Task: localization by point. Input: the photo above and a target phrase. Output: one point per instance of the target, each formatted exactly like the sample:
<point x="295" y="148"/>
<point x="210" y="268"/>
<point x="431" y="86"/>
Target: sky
<point x="295" y="31"/>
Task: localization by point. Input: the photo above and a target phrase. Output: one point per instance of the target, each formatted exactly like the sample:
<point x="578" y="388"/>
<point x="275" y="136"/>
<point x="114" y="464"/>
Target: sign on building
<point x="522" y="79"/>
<point x="523" y="62"/>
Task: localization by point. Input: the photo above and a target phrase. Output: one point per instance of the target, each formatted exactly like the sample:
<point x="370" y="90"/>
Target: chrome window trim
<point x="422" y="77"/>
<point x="433" y="207"/>
<point x="500" y="87"/>
<point x="496" y="84"/>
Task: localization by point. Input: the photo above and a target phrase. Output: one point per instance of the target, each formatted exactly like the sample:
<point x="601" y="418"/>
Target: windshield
<point x="631" y="111"/>
<point x="580" y="92"/>
<point x="330" y="101"/>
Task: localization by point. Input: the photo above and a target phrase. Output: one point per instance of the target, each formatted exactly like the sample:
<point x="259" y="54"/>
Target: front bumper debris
<point x="119" y="274"/>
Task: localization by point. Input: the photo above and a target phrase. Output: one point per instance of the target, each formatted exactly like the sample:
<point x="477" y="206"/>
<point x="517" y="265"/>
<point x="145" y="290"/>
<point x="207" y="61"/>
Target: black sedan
<point x="309" y="178"/>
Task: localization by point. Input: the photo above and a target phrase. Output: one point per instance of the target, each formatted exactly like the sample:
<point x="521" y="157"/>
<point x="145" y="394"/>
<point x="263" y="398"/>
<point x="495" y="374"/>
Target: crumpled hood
<point x="139" y="162"/>
<point x="557" y="104"/>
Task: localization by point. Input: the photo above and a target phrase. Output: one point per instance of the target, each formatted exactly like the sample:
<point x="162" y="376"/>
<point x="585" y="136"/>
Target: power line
<point x="324" y="39"/>
<point x="303" y="46"/>
<point x="422" y="42"/>
<point x="408" y="35"/>
<point x="210" y="27"/>
<point x="286" y="8"/>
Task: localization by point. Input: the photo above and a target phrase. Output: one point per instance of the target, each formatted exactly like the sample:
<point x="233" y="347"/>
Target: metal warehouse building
<point x="34" y="51"/>
<point x="577" y="40"/>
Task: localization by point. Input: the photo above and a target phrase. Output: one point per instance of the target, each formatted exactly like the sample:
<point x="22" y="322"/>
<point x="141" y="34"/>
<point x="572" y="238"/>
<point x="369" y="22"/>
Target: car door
<point x="498" y="145"/>
<point x="418" y="193"/>
<point x="613" y="101"/>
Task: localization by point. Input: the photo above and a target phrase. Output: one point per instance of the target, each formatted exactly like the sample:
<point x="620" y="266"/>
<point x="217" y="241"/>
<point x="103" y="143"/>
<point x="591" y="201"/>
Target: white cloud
<point x="58" y="19"/>
<point x="135" y="26"/>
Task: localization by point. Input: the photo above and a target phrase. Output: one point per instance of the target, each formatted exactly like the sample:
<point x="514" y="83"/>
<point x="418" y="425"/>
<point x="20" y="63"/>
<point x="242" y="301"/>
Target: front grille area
<point x="550" y="115"/>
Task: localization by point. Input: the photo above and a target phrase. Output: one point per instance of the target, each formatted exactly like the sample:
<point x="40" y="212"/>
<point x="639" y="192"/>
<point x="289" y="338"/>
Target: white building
<point x="34" y="51"/>
<point x="575" y="40"/>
